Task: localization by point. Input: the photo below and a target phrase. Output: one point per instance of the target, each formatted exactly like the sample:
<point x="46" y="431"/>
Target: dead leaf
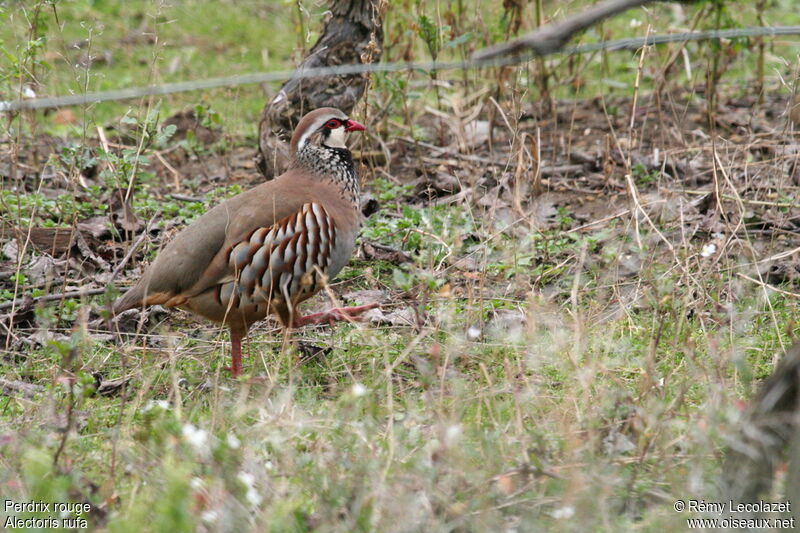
<point x="97" y="227"/>
<point x="121" y="212"/>
<point x="42" y="269"/>
<point x="617" y="443"/>
<point x="19" y="388"/>
<point x="506" y="483"/>
<point x="11" y="250"/>
<point x="401" y="317"/>
<point x="311" y="352"/>
<point x="375" y="251"/>
<point x="508" y="324"/>
<point x="794" y="110"/>
<point x="53" y="241"/>
<point x="109" y="387"/>
<point x="476" y="133"/>
<point x="64" y="117"/>
<point x="436" y="185"/>
<point x="87" y="251"/>
<point x="366" y="297"/>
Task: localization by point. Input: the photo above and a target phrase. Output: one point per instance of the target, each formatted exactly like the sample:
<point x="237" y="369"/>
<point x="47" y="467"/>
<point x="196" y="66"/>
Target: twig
<point x="733" y="198"/>
<point x="101" y="134"/>
<point x="133" y="248"/>
<point x="51" y="297"/>
<point x="781" y="255"/>
<point x="175" y="174"/>
<point x="440" y="241"/>
<point x="545" y="171"/>
<point x="768" y="286"/>
<point x="27" y="390"/>
<point x="604" y="219"/>
<point x="185" y="198"/>
<point x="68" y="369"/>
<point x="386" y="248"/>
<point x="639" y="207"/>
<point x="550" y="38"/>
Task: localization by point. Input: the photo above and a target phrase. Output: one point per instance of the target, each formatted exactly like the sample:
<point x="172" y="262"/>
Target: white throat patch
<point x="336" y="138"/>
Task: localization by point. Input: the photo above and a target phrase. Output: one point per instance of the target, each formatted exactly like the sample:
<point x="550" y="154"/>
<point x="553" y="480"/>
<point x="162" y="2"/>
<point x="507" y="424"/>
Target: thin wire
<point x="244" y="79"/>
<point x="353" y="69"/>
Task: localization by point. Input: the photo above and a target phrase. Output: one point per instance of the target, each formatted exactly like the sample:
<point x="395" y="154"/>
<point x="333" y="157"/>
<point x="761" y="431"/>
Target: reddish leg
<point x="236" y="353"/>
<point x="349" y="314"/>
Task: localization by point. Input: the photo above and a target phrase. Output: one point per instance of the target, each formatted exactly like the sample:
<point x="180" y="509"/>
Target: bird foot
<point x="252" y="380"/>
<point x="349" y="314"/>
<point x="235" y="372"/>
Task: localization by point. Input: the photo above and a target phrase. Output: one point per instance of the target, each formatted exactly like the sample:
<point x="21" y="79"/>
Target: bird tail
<point x="132" y="298"/>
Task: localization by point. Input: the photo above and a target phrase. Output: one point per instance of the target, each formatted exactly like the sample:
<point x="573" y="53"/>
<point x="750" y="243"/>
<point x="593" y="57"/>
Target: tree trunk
<point x="353" y="33"/>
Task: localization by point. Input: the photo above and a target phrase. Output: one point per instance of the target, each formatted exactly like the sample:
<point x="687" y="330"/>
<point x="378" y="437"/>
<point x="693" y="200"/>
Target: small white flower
<point x="246" y="478"/>
<point x="474" y="333"/>
<point x="358" y="390"/>
<point x="709" y="250"/>
<point x="252" y="496"/>
<point x="563" y="513"/>
<point x="197" y="438"/>
<point x="452" y="434"/>
<point x="152" y="404"/>
<point x="209" y="516"/>
<point x="233" y="441"/>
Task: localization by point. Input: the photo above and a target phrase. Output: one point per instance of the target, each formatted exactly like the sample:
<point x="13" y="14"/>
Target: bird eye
<point x="333" y="124"/>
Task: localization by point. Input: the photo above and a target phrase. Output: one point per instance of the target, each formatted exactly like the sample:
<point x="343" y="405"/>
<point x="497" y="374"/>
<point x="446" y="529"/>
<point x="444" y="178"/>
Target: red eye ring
<point x="333" y="124"/>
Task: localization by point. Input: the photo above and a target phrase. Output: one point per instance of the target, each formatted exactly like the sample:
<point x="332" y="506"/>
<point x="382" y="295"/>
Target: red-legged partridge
<point x="267" y="249"/>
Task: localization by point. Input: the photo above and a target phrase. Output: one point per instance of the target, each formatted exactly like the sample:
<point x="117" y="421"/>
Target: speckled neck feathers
<point x="334" y="164"/>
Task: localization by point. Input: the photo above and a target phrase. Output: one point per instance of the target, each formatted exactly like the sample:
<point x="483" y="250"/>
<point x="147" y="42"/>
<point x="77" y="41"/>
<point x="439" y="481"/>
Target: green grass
<point x="432" y="429"/>
<point x="352" y="441"/>
<point x="150" y="43"/>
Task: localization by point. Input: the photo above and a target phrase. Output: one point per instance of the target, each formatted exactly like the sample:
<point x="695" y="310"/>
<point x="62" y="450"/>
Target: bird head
<point x="326" y="127"/>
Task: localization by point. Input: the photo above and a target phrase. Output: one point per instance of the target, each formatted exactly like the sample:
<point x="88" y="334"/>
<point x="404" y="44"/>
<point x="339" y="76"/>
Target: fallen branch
<point x="10" y="387"/>
<point x="551" y="38"/>
<point x="443" y="151"/>
<point x="186" y="198"/>
<point x="768" y="286"/>
<point x="730" y="197"/>
<point x="782" y="255"/>
<point x="176" y="176"/>
<point x="50" y="297"/>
